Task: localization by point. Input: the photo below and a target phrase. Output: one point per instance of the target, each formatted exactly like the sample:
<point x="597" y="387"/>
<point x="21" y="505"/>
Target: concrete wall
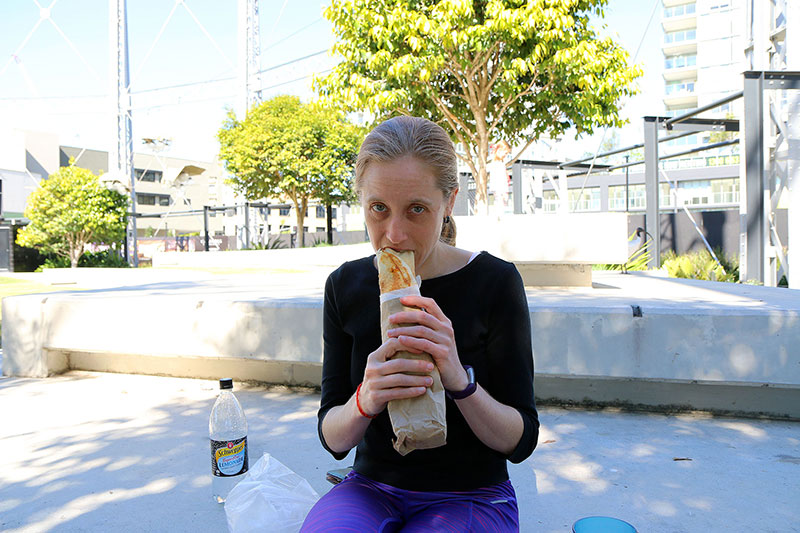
<point x="280" y="258"/>
<point x="691" y="355"/>
<point x="550" y="238"/>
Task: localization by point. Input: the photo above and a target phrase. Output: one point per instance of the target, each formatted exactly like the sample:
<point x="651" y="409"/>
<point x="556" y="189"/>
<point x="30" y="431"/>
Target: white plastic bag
<point x="269" y="498"/>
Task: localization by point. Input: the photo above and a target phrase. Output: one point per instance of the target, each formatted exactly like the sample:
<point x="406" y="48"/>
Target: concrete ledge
<point x="555" y="274"/>
<point x="653" y="339"/>
<point x="747" y="399"/>
<point x="732" y="398"/>
<point x="576" y="237"/>
<point x="238" y="368"/>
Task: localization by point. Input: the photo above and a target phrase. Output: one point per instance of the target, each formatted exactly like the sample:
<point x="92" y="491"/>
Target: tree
<point x="71" y="209"/>
<point x="487" y="70"/>
<point x="293" y="150"/>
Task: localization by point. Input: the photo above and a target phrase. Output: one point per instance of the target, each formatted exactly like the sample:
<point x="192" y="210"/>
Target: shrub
<point x="103" y="259"/>
<point x="701" y="265"/>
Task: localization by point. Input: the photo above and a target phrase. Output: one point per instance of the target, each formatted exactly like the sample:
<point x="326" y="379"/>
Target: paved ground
<point x="110" y="452"/>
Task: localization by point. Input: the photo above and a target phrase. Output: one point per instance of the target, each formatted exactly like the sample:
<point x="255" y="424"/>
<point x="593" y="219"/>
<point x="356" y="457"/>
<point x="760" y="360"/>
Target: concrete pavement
<point x="89" y="451"/>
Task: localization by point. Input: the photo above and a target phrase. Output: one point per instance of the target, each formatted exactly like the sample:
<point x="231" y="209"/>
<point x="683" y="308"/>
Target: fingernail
<point x="429" y="382"/>
<point x="429" y="367"/>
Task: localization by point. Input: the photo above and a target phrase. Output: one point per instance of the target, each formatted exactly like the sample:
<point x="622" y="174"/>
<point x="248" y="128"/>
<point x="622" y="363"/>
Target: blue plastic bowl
<point x="602" y="524"/>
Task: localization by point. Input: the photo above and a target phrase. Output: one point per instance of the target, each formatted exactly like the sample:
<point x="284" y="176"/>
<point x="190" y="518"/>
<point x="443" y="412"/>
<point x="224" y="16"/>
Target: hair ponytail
<point x="448" y="235"/>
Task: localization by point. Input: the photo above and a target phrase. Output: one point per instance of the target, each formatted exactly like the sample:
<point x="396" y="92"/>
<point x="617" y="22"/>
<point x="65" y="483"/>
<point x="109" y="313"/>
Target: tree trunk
<point x="75" y="253"/>
<point x="329" y="216"/>
<point x="482" y="180"/>
<point x="300" y="206"/>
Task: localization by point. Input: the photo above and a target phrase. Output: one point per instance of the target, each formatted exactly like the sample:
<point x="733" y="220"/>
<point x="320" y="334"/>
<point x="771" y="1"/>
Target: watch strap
<point x="471" y="387"/>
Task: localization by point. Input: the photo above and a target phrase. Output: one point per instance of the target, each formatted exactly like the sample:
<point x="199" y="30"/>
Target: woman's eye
<point x="417" y="209"/>
<point x="378" y="208"/>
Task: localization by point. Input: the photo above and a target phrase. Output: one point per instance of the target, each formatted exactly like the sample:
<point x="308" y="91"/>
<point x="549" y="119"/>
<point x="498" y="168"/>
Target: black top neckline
<point x="444" y="277"/>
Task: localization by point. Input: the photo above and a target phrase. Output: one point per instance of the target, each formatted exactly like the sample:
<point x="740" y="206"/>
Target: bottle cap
<point x="226" y="383"/>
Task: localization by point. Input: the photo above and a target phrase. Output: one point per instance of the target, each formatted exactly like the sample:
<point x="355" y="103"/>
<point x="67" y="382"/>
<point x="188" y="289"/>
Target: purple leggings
<point x="361" y="505"/>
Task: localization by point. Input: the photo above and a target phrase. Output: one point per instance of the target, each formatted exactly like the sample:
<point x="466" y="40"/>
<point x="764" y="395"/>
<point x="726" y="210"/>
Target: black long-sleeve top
<point x="486" y="302"/>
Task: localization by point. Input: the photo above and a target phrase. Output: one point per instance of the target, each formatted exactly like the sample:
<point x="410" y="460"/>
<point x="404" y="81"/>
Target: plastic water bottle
<point x="227" y="428"/>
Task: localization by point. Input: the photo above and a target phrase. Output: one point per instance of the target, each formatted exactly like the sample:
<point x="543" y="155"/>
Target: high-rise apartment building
<point x="703" y="48"/>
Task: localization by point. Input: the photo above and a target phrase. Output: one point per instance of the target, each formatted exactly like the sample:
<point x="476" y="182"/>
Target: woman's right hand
<point x="390" y="378"/>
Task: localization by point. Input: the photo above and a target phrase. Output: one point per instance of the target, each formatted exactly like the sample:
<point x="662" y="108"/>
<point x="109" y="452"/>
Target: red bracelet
<point x="358" y="404"/>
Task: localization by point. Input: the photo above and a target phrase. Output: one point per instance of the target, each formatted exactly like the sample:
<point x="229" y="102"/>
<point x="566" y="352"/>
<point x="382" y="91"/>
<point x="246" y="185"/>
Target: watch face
<point x="470" y="375"/>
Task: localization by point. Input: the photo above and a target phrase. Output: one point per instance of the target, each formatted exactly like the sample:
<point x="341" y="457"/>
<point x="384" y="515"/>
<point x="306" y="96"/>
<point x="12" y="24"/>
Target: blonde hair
<point x="420" y="138"/>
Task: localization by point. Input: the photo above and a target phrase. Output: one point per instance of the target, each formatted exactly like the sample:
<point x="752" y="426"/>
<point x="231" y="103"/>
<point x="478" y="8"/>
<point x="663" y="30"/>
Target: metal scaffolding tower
<point x="249" y="57"/>
<point x="120" y="157"/>
<point x="771" y="147"/>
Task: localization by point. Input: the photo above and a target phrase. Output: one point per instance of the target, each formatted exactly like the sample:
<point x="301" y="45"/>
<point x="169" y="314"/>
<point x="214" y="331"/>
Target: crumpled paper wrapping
<point x="418" y="423"/>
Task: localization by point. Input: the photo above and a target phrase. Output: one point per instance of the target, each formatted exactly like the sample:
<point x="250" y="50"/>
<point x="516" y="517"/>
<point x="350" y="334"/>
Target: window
<point x="689" y="140"/>
<point x="152" y="199"/>
<point x="680" y="61"/>
<point x="549" y="201"/>
<point x="636" y="197"/>
<point x="284" y="211"/>
<point x="695" y="192"/>
<point x="320" y="211"/>
<point x="589" y="199"/>
<point x="678" y="111"/>
<point x="333" y="212"/>
<point x="145" y="199"/>
<point x="725" y="191"/>
<point x="677" y="11"/>
<point x="674" y="87"/>
<point x="665" y="196"/>
<point x="305" y="229"/>
<point x="147" y="175"/>
<point x="680" y="36"/>
<point x="320" y="228"/>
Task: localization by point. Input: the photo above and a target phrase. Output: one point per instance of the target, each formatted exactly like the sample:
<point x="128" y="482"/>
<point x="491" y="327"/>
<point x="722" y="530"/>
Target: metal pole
<point x="205" y="227"/>
<point x="652" y="220"/>
<point x="752" y="268"/>
<point x="121" y="156"/>
<point x="516" y="186"/>
<point x="247" y="225"/>
<point x="627" y="202"/>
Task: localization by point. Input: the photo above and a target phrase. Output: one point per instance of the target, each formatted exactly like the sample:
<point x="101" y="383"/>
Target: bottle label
<point x="229" y="457"/>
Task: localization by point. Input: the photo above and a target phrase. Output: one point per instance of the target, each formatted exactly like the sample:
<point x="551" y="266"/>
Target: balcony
<point x="681" y="67"/>
<point x="680" y="94"/>
<point x="681" y="42"/>
<point x="679" y="17"/>
<point x="680" y="99"/>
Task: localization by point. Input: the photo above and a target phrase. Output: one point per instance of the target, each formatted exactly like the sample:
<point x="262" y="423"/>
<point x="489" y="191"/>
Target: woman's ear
<point x="451" y="202"/>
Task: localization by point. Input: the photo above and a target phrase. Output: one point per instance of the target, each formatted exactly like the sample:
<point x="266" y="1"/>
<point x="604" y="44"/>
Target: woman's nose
<point x="395" y="230"/>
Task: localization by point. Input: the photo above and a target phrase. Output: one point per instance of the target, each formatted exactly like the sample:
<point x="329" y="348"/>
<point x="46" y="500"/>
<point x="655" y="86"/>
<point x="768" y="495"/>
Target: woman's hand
<point x="387" y="378"/>
<point x="430" y="332"/>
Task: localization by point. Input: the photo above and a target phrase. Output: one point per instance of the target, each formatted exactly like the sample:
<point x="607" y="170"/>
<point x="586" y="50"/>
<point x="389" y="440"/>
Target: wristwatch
<point x="471" y="387"/>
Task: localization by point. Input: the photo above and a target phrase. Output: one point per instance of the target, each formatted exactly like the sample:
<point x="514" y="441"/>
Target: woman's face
<point x="404" y="208"/>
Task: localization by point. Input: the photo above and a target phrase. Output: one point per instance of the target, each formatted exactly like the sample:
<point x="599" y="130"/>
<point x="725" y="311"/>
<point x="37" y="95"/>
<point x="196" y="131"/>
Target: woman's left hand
<point x="429" y="330"/>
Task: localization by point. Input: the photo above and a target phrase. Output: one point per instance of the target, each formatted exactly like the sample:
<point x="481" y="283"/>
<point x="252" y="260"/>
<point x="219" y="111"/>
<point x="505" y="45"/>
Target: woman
<point x="473" y="312"/>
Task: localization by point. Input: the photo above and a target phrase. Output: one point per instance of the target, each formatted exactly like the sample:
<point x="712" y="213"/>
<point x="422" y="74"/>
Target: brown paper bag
<point x="419" y="423"/>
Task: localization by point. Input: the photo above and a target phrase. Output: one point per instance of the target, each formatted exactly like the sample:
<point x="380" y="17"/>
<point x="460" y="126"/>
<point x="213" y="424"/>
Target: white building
<point x="703" y="45"/>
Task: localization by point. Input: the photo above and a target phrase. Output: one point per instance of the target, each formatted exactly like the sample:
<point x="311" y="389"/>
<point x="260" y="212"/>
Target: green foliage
<point x="488" y="70"/>
<point x="71" y="209"/>
<point x="701" y="265"/>
<point x="102" y="259"/>
<point x="271" y="244"/>
<point x="291" y="150"/>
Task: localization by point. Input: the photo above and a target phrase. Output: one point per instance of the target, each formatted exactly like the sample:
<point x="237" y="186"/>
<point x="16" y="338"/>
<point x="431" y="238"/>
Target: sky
<point x="54" y="65"/>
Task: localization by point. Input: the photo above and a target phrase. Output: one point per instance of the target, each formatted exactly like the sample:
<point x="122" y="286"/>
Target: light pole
<point x="626" y="182"/>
